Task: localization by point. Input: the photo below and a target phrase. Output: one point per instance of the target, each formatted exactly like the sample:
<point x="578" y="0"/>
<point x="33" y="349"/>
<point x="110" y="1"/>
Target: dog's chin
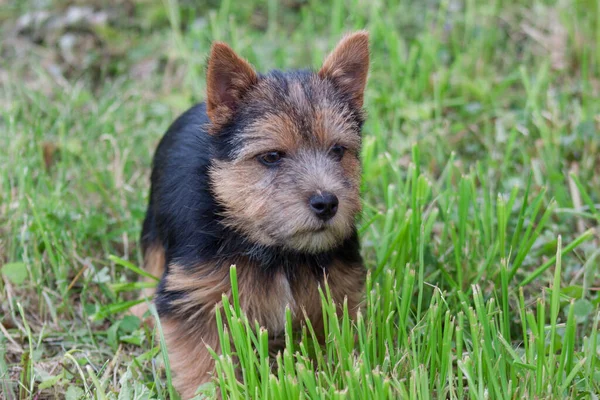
<point x="316" y="240"/>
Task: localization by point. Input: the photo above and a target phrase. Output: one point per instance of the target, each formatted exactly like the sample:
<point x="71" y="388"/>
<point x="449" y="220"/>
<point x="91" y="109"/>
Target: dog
<point x="264" y="175"/>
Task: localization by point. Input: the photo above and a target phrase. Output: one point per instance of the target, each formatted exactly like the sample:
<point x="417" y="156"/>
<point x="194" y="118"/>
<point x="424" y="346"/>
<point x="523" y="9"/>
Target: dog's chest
<point x="272" y="296"/>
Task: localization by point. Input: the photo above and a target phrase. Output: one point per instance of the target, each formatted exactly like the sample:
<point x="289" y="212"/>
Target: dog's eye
<point x="337" y="152"/>
<point x="271" y="158"/>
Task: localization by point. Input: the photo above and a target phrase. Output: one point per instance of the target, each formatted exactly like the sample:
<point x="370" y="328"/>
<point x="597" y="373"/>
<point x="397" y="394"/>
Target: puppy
<point x="264" y="175"/>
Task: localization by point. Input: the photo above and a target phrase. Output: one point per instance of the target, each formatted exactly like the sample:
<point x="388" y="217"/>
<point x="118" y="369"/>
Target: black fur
<point x="183" y="215"/>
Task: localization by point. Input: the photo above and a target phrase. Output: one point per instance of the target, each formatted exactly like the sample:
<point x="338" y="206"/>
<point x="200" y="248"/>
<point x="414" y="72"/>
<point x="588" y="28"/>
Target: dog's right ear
<point x="227" y="79"/>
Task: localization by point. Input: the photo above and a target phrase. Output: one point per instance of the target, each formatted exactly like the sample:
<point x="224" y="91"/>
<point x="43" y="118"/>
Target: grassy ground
<point x="481" y="195"/>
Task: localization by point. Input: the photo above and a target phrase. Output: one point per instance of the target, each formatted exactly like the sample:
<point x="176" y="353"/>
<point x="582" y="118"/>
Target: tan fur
<point x="347" y="282"/>
<point x="276" y="132"/>
<point x="188" y="334"/>
<point x="203" y="290"/>
<point x="188" y="356"/>
<point x="154" y="263"/>
<point x="270" y="206"/>
<point x="348" y="65"/>
<point x="298" y="98"/>
<point x="228" y="77"/>
<point x="331" y="126"/>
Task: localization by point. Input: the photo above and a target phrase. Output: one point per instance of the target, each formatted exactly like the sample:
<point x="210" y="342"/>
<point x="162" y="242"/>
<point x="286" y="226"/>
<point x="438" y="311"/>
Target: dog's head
<point x="287" y="167"/>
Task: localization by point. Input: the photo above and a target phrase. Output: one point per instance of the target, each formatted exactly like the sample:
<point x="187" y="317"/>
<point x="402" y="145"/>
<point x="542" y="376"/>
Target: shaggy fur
<point x="216" y="201"/>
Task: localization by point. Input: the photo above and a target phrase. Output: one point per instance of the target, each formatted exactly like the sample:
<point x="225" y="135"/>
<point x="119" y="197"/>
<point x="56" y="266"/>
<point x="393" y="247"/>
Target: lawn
<point x="481" y="196"/>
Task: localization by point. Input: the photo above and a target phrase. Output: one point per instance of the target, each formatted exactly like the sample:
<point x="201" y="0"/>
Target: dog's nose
<point x="324" y="205"/>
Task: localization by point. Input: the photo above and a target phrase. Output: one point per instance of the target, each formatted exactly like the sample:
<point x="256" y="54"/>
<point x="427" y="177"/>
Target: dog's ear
<point x="228" y="77"/>
<point x="348" y="65"/>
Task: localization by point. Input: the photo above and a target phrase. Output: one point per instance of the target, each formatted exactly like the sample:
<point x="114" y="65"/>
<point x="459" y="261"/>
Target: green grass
<point x="481" y="198"/>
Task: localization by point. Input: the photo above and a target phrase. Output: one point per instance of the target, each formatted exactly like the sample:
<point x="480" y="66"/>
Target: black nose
<point x="324" y="205"/>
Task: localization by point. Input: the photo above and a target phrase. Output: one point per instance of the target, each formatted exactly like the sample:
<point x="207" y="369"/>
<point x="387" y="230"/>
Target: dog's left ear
<point x="348" y="65"/>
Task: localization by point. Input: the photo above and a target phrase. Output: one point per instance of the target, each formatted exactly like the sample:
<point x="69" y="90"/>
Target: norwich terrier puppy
<point x="264" y="175"/>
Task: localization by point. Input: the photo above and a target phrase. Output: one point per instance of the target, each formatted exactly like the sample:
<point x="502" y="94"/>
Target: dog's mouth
<point x="315" y="238"/>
